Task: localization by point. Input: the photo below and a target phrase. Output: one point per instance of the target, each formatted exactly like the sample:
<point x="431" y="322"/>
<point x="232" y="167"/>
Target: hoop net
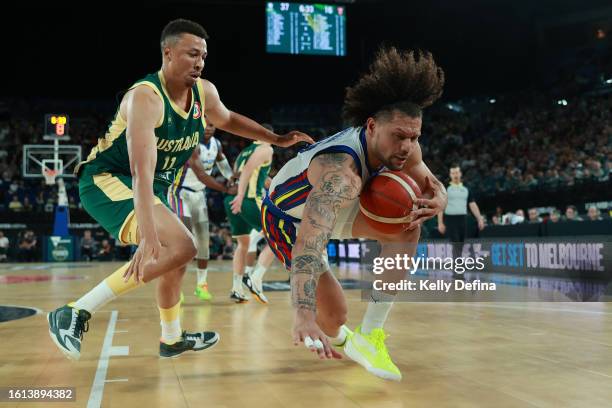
<point x="50" y="175"/>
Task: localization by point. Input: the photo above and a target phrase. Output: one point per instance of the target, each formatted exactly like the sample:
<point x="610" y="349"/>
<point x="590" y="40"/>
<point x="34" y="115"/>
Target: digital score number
<point x="56" y="126"/>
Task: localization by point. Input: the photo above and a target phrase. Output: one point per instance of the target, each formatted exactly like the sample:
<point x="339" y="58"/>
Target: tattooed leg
<point x="331" y="305"/>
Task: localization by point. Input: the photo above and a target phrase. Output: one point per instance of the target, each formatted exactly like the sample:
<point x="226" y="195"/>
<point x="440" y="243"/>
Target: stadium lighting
<point x="562" y="102"/>
<point x="492" y="100"/>
<point x="608" y="81"/>
<point x="454" y="107"/>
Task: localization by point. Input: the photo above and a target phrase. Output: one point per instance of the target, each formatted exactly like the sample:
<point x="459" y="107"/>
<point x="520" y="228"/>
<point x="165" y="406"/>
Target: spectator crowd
<point x="522" y="142"/>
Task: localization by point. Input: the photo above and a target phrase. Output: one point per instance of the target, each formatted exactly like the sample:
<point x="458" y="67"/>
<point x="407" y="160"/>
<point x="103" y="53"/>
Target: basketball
<point x="387" y="201"/>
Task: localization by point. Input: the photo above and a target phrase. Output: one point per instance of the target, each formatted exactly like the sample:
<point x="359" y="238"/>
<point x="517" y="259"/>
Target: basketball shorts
<point x="247" y="219"/>
<point x="188" y="203"/>
<point x="109" y="199"/>
<point x="280" y="229"/>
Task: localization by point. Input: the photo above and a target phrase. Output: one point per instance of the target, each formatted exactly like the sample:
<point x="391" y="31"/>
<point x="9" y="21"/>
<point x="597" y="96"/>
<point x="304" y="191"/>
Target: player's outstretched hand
<point x="314" y="339"/>
<point x="292" y="138"/>
<point x="147" y="253"/>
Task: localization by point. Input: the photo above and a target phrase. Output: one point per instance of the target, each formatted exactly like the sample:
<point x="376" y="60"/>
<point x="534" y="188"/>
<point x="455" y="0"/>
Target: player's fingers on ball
<point x="419" y="221"/>
<point x="412" y="226"/>
<point x="428" y="213"/>
<point x="424" y="202"/>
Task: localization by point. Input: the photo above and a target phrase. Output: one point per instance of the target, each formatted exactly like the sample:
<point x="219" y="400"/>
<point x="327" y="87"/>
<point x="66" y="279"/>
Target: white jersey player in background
<point x="187" y="197"/>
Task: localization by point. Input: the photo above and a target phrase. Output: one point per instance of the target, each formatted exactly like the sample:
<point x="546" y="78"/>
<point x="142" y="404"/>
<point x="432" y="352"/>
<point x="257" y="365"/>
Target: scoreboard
<point x="56" y="127"/>
<point x="315" y="29"/>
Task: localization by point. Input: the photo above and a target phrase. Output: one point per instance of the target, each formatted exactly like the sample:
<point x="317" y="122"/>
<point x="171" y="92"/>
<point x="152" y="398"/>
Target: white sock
<point x="202" y="275"/>
<point x="377" y="311"/>
<point x="248" y="270"/>
<point x="340" y="339"/>
<point x="96" y="298"/>
<point x="171" y="331"/>
<point x="259" y="272"/>
<point x="237" y="283"/>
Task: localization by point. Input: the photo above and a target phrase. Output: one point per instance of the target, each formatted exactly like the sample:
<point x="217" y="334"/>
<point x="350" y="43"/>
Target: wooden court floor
<point x="451" y="354"/>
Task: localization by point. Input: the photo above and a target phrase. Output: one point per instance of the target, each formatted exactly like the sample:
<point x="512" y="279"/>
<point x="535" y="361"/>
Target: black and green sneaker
<point x="189" y="341"/>
<point x="238" y="297"/>
<point x="66" y="327"/>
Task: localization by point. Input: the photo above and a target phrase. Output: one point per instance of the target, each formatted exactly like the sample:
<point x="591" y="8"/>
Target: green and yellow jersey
<point x="105" y="179"/>
<point x="177" y="133"/>
<point x="256" y="188"/>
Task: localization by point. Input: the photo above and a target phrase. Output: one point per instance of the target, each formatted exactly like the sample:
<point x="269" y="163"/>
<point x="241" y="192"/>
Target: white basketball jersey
<point x="208" y="157"/>
<point x="290" y="186"/>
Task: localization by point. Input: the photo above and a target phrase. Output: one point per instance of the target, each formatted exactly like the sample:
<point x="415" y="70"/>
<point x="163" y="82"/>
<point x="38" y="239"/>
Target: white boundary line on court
<point x="108" y="350"/>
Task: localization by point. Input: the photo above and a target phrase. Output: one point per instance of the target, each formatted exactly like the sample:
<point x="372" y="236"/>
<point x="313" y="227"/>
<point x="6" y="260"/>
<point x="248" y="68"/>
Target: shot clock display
<point x="315" y="29"/>
<point x="56" y="127"/>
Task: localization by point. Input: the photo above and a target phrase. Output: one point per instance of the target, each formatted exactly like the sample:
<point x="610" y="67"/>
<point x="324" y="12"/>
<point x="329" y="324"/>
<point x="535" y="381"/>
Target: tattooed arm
<point x="335" y="184"/>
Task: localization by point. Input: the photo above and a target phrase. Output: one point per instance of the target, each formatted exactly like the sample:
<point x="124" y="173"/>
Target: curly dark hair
<point x="407" y="81"/>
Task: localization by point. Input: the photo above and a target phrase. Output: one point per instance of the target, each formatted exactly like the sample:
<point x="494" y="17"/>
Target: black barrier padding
<point x="570" y="228"/>
<point x="517" y="231"/>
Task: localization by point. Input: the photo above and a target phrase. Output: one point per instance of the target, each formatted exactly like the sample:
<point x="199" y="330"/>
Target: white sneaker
<point x="255" y="288"/>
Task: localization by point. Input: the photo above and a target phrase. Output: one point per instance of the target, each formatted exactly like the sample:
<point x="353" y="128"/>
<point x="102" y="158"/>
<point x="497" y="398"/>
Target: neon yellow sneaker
<point x="369" y="350"/>
<point x="202" y="292"/>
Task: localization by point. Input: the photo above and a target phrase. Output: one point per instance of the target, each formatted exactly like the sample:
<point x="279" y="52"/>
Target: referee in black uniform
<point x="453" y="224"/>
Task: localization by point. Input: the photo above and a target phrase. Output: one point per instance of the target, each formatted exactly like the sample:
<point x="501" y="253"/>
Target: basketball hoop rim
<point x="50" y="175"/>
